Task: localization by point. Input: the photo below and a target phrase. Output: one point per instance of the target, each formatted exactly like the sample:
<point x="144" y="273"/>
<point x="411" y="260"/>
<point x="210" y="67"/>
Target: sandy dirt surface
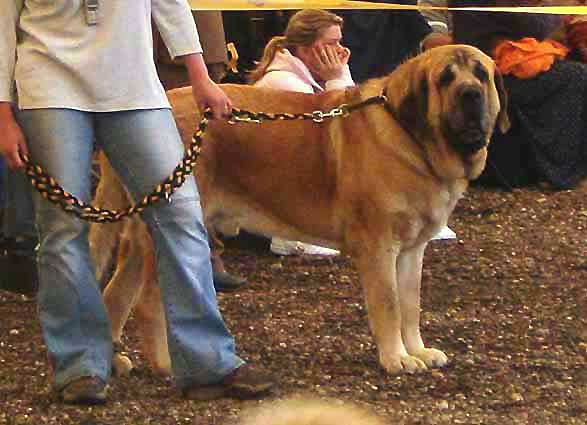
<point x="507" y="302"/>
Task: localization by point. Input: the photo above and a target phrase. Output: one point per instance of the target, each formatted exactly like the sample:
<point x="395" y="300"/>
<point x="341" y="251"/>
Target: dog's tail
<point x="309" y="412"/>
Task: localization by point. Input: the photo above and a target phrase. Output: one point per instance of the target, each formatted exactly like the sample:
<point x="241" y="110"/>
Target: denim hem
<point x="215" y="377"/>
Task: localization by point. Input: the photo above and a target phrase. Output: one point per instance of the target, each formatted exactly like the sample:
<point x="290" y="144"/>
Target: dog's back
<point x="244" y="168"/>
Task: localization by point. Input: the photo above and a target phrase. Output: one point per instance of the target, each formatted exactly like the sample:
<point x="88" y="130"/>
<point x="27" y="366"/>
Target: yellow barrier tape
<point x="346" y="4"/>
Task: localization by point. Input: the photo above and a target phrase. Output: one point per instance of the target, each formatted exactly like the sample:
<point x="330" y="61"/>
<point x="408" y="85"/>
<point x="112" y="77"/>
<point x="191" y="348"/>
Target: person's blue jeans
<point x="143" y="146"/>
<point x="18" y="216"/>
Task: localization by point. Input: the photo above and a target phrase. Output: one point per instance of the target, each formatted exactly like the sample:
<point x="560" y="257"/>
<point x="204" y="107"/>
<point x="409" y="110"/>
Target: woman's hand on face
<point x="12" y="142"/>
<point x="329" y="61"/>
<point x="344" y="54"/>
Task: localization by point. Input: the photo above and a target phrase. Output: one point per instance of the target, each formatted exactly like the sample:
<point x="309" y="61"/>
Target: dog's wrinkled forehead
<point x="462" y="62"/>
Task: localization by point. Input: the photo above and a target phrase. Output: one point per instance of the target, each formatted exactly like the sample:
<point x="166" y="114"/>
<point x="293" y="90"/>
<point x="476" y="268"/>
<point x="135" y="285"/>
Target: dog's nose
<point x="471" y="97"/>
<point x="471" y="100"/>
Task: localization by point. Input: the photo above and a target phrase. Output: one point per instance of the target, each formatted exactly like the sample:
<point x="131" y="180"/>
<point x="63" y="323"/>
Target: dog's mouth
<point x="469" y="141"/>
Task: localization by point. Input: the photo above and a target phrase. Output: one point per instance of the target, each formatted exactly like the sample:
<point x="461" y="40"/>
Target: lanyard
<point x="91" y="11"/>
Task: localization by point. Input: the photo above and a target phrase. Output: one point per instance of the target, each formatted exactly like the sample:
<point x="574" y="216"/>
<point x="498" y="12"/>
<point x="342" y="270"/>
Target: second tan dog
<point x="377" y="184"/>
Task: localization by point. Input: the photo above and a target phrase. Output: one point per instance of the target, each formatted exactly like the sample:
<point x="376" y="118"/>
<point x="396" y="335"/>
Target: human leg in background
<point x="74" y="320"/>
<point x="18" y="234"/>
<point x="144" y="147"/>
<point x="213" y="39"/>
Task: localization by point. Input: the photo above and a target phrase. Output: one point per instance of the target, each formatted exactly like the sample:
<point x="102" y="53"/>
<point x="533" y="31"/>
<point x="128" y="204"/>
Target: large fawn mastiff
<point x="376" y="184"/>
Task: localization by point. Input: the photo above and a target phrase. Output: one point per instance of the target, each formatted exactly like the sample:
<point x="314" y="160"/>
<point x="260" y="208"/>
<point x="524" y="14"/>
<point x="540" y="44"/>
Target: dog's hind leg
<point x="151" y="317"/>
<point x="378" y="271"/>
<point x="103" y="244"/>
<point x="409" y="282"/>
<point x="104" y="238"/>
<point x="123" y="290"/>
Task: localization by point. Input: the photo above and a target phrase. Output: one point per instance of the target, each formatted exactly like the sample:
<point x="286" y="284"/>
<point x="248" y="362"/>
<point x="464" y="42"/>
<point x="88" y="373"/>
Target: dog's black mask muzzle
<point x="466" y="126"/>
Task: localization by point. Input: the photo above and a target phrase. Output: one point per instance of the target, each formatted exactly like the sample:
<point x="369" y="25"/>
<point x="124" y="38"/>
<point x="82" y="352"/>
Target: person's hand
<point x="12" y="142"/>
<point x="436" y="39"/>
<point x="328" y="61"/>
<point x="344" y="54"/>
<point x="208" y="95"/>
<point x="206" y="92"/>
<point x="577" y="34"/>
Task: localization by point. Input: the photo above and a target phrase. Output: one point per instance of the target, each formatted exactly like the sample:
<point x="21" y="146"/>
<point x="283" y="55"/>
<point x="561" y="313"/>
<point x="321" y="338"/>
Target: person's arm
<point x="9" y="16"/>
<point x="12" y="141"/>
<point x="206" y="92"/>
<point x="331" y="64"/>
<point x="343" y="81"/>
<point x="178" y="30"/>
<point x="439" y="21"/>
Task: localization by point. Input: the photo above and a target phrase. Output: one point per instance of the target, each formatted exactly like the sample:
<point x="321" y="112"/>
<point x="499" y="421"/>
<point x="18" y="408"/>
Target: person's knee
<point x="182" y="212"/>
<point x="58" y="230"/>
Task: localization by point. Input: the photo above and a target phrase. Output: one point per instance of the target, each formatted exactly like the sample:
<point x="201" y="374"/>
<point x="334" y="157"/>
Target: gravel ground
<point x="507" y="302"/>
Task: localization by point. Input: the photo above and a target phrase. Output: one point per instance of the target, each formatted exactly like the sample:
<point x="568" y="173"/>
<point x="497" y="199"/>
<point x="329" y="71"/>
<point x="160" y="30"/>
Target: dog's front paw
<point x="121" y="365"/>
<point x="403" y="364"/>
<point x="432" y="357"/>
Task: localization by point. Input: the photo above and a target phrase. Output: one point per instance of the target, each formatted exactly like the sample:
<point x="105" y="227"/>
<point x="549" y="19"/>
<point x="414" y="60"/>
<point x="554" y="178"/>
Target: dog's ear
<point x="413" y="108"/>
<point x="503" y="119"/>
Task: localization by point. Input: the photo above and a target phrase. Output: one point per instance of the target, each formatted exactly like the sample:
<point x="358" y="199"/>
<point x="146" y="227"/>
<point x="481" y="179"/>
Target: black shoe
<point x="21" y="246"/>
<point x="225" y="282"/>
<point x="18" y="274"/>
<point x="244" y="383"/>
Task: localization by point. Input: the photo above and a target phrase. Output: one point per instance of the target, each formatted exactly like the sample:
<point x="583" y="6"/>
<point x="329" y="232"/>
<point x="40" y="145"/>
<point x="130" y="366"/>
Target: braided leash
<point x="50" y="189"/>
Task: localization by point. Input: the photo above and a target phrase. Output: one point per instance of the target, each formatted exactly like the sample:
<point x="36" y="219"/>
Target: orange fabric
<point x="527" y="57"/>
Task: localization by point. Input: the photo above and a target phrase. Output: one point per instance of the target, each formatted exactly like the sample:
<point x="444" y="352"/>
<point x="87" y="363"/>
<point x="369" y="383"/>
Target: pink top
<point x="288" y="72"/>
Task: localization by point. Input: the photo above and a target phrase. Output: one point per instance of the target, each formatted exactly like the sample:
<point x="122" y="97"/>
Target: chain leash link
<point x="50" y="189"/>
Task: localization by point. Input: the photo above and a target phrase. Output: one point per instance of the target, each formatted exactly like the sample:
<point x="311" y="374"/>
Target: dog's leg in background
<point x="123" y="290"/>
<point x="378" y="272"/>
<point x="104" y="238"/>
<point x="150" y="315"/>
<point x="409" y="272"/>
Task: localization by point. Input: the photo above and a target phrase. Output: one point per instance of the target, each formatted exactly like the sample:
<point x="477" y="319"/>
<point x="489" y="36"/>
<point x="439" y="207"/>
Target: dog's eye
<point x="447" y="76"/>
<point x="481" y="73"/>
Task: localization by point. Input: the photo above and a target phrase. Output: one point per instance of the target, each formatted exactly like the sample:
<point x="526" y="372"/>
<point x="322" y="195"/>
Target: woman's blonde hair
<point x="303" y="29"/>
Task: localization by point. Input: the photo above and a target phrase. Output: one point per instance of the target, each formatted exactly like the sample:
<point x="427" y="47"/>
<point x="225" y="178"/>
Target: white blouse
<point x="59" y="61"/>
<point x="288" y="72"/>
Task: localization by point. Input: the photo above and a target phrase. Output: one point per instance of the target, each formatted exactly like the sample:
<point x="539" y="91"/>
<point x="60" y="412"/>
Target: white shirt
<point x="58" y="61"/>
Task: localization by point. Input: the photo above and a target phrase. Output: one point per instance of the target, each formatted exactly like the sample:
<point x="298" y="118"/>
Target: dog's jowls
<point x="377" y="184"/>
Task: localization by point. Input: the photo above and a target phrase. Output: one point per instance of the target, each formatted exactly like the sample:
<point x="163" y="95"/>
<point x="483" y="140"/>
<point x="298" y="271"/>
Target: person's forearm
<point x="9" y="17"/>
<point x="196" y="67"/>
<point x="437" y="19"/>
